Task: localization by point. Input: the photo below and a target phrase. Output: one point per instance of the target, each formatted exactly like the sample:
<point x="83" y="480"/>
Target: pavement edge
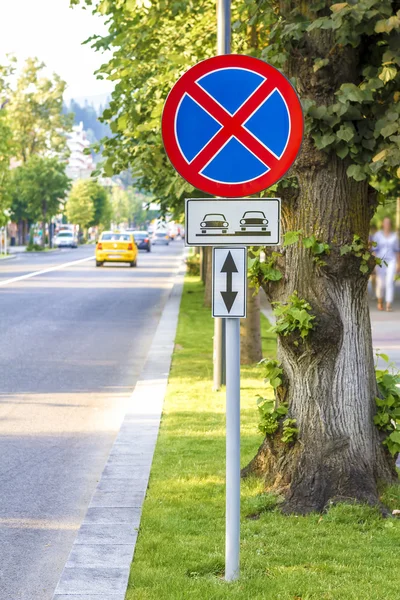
<point x="99" y="563"/>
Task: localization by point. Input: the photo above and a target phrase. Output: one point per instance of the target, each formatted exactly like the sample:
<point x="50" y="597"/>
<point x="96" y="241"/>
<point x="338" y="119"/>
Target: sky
<point x="53" y="32"/>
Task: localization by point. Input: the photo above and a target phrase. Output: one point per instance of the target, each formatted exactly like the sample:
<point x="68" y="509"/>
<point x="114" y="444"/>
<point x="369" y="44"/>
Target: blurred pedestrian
<point x="388" y="250"/>
<point x="12" y="232"/>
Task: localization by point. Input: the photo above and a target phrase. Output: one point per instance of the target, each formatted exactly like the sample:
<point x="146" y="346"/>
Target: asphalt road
<point x="72" y="344"/>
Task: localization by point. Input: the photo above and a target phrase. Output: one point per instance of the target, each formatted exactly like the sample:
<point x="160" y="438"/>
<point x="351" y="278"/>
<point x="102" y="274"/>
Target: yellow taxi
<point x="116" y="246"/>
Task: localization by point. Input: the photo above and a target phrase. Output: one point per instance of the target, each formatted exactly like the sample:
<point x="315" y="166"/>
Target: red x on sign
<point x="232" y="125"/>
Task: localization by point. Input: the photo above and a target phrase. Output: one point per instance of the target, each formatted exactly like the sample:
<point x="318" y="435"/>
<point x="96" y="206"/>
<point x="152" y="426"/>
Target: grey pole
<point x="232" y="530"/>
<point x="218" y="351"/>
<point x="232" y="358"/>
<point x="223" y="47"/>
<point x="223" y="26"/>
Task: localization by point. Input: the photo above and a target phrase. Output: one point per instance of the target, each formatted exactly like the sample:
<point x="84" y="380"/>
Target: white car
<point x="65" y="239"/>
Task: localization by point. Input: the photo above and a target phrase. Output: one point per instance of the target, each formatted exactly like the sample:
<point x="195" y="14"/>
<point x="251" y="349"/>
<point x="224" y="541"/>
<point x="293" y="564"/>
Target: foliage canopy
<point x="37" y="188"/>
<point x="154" y="43"/>
<point x="35" y="113"/>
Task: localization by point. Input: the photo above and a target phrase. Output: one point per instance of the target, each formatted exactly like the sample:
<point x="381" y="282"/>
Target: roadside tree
<point x="38" y="189"/>
<point x="5" y="156"/>
<point x="80" y="207"/>
<point x="344" y="58"/>
<point x="120" y="205"/>
<point x="101" y="203"/>
<point x="35" y="113"/>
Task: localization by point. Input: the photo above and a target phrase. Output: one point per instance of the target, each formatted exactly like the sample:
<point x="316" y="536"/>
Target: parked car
<point x="65" y="239"/>
<point x="254" y="219"/>
<point x="160" y="237"/>
<point x="214" y="222"/>
<point x="142" y="239"/>
<point x="116" y="246"/>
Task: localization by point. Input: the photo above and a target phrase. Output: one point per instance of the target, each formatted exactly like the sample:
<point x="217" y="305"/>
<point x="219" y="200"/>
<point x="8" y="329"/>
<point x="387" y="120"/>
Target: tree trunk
<point x="203" y="264"/>
<point x="250" y="332"/>
<point x="207" y="257"/>
<point x="26" y="227"/>
<point x="44" y="220"/>
<point x="43" y="233"/>
<point x="329" y="380"/>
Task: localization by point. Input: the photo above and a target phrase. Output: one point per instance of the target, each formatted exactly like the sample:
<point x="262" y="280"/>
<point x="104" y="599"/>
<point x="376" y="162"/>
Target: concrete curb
<point x="41" y="252"/>
<point x="8" y="257"/>
<point x="99" y="563"/>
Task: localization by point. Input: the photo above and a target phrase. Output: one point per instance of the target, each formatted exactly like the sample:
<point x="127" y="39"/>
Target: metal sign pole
<point x="229" y="302"/>
<point x="218" y="355"/>
<point x="223" y="47"/>
<point x="223" y="26"/>
<point x="232" y="449"/>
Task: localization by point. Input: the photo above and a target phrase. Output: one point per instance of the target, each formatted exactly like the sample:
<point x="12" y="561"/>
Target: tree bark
<point x="44" y="221"/>
<point x="250" y="331"/>
<point x="329" y="379"/>
<point x="203" y="264"/>
<point x="207" y="257"/>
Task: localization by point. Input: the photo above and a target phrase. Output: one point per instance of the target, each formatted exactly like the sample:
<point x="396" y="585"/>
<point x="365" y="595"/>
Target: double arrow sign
<point x="229" y="296"/>
<point x="229" y="282"/>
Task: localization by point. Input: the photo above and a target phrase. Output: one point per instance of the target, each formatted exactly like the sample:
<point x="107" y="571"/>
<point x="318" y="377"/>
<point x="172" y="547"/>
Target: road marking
<point x="43" y="271"/>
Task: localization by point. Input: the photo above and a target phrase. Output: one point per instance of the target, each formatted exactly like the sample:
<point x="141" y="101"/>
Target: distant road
<point x="72" y="344"/>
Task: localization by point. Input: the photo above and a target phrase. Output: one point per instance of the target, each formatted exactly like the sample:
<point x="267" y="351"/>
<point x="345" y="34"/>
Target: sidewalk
<point x="386" y="330"/>
<point x="16" y="249"/>
<point x="385" y="326"/>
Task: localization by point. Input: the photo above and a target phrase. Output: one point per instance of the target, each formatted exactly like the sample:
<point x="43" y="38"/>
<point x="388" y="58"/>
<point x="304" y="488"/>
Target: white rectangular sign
<point x="229" y="282"/>
<point x="241" y="222"/>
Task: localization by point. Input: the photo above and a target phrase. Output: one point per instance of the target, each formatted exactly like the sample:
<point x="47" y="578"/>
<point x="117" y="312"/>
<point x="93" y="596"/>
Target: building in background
<point x="80" y="165"/>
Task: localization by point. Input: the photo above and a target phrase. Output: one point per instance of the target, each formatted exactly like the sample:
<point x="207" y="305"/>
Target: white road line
<point x="36" y="273"/>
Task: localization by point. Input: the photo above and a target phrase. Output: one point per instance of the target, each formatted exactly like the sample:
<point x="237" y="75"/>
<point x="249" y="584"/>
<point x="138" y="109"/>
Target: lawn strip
<point x="348" y="554"/>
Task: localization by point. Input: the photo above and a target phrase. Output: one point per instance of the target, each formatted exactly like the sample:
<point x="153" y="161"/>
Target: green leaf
<point x="346" y="132"/>
<point x="317" y="112"/>
<point x="351" y="92"/>
<point x="395" y="437"/>
<point x="320" y="248"/>
<point x="309" y="242"/>
<point x="273" y="275"/>
<point x="251" y="262"/>
<point x="291" y="237"/>
<point x="319" y="63"/>
<point x="316" y="24"/>
<point x="339" y="6"/>
<point x="356" y="172"/>
<point x="122" y="122"/>
<point x="387" y="74"/>
<point x="364" y="268"/>
<point x="342" y="151"/>
<point x="345" y="249"/>
<point x="389" y="129"/>
<point x="324" y="141"/>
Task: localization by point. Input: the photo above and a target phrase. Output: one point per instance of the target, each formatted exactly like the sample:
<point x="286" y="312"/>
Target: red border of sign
<point x="281" y="166"/>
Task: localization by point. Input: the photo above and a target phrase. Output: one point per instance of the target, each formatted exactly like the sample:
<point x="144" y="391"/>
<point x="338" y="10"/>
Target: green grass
<point x="351" y="553"/>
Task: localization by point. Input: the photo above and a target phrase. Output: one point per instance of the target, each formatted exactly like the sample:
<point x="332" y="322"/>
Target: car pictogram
<point x="253" y="219"/>
<point x="213" y="222"/>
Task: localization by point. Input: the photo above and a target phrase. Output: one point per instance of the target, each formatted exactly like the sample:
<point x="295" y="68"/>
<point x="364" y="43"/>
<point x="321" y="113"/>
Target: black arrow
<point x="229" y="296"/>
